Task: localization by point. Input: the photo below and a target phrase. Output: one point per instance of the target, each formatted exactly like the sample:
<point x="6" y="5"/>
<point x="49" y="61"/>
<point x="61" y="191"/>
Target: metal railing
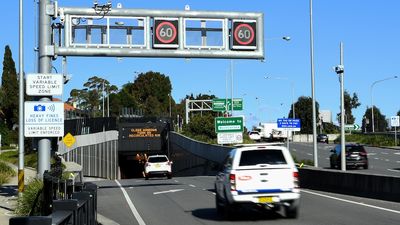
<point x="63" y="202"/>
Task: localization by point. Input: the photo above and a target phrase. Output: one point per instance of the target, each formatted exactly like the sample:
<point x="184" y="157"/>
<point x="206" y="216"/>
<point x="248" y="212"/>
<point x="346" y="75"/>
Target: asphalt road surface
<point x="191" y="201"/>
<point x="382" y="161"/>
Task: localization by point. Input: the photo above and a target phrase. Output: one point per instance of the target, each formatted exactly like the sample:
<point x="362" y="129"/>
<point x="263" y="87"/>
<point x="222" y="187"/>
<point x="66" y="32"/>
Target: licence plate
<point x="157" y="165"/>
<point x="265" y="200"/>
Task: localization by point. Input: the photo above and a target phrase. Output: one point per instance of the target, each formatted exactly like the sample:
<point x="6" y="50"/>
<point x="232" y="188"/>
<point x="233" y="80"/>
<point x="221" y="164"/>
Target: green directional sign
<point x="352" y="127"/>
<point x="220" y="104"/>
<point x="228" y="124"/>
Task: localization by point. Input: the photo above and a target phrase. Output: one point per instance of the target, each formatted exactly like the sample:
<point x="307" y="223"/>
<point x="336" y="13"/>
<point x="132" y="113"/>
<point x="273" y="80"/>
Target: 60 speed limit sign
<point x="244" y="34"/>
<point x="165" y="33"/>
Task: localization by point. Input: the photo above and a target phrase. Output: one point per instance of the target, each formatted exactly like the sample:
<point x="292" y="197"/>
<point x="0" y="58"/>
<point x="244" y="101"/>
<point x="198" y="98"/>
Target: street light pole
<point x="340" y="71"/>
<point x="314" y="111"/>
<point x="372" y="99"/>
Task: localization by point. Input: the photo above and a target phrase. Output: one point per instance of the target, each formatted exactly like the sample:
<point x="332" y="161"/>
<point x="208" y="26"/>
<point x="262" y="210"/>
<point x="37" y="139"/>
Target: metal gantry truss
<point x="134" y="28"/>
<point x="197" y="106"/>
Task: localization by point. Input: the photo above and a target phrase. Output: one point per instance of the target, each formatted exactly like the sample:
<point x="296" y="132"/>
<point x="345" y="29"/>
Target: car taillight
<point x="232" y="181"/>
<point x="296" y="179"/>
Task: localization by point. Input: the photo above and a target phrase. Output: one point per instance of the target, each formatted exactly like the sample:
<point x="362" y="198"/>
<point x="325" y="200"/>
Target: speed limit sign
<point x="244" y="34"/>
<point x="165" y="33"/>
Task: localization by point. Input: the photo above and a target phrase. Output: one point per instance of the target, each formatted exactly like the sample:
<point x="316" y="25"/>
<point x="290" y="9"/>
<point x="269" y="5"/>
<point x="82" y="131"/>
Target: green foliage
<point x="380" y="122"/>
<point x="349" y="104"/>
<point x="303" y="110"/>
<point x="369" y="139"/>
<point x="308" y="162"/>
<point x="330" y="128"/>
<point x="12" y="157"/>
<point x="6" y="172"/>
<point x="26" y="202"/>
<point x="201" y="126"/>
<point x="9" y="89"/>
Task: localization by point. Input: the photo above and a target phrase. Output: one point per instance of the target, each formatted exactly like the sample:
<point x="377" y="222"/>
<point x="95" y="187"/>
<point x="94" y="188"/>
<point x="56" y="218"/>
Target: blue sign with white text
<point x="288" y="123"/>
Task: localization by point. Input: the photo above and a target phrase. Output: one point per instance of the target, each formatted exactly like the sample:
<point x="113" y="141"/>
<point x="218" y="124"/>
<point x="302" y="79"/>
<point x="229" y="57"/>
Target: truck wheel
<point x="292" y="211"/>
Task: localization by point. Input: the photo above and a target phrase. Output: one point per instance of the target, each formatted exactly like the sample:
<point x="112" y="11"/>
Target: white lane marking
<point x="294" y="150"/>
<point x="376" y="158"/>
<point x="131" y="206"/>
<point x="191" y="185"/>
<point x="371" y="154"/>
<point x="213" y="193"/>
<point x="169" y="191"/>
<point x="387" y="160"/>
<point x="397" y="153"/>
<point x="394" y="170"/>
<point x="384" y="153"/>
<point x="327" y="158"/>
<point x="398" y="161"/>
<point x="176" y="181"/>
<point x="309" y="154"/>
<point x="352" y="202"/>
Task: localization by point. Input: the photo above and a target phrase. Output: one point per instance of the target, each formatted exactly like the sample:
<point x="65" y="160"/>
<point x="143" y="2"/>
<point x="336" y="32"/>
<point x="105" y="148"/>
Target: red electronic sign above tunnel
<point x="165" y="33"/>
<point x="244" y="35"/>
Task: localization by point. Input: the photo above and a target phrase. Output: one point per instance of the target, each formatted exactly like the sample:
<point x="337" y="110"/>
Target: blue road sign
<point x="288" y="123"/>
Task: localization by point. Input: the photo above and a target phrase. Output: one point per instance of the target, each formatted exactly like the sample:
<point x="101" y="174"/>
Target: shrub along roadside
<point x="30" y="200"/>
<point x="6" y="172"/>
<point x="373" y="140"/>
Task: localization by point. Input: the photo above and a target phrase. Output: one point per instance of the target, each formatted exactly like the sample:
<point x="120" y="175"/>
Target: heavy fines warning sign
<point x="44" y="119"/>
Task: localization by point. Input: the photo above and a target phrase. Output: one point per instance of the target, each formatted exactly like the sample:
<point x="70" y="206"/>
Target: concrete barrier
<point x="355" y="184"/>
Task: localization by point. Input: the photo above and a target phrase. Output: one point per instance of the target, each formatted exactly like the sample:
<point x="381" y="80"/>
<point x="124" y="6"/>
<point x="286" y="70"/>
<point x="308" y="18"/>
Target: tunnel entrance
<point x="130" y="167"/>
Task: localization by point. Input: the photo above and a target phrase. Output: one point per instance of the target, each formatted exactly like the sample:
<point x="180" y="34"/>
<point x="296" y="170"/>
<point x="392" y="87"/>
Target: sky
<point x="369" y="30"/>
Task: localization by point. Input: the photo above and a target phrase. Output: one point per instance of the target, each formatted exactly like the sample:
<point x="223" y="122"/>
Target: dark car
<point x="322" y="138"/>
<point x="356" y="156"/>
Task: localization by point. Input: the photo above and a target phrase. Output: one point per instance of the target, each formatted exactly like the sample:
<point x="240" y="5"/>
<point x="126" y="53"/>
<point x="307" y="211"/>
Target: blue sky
<point x="369" y="30"/>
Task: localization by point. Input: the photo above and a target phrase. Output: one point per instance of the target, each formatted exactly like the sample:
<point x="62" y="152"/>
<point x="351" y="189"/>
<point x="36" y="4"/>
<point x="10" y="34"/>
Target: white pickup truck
<point x="261" y="175"/>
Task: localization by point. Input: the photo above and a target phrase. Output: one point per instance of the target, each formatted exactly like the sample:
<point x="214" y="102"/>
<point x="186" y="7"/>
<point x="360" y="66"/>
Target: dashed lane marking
<point x="191" y="185"/>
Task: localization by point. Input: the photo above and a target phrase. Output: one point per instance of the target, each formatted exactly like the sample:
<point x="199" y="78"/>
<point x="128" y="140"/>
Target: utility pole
<point x="340" y="71"/>
<point x="21" y="146"/>
<point x="45" y="65"/>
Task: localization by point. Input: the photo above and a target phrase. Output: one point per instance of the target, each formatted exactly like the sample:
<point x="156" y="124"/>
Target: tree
<point x="9" y="89"/>
<point x="349" y="104"/>
<point x="398" y="113"/>
<point x="149" y="88"/>
<point x="380" y="122"/>
<point x="303" y="110"/>
<point x="201" y="125"/>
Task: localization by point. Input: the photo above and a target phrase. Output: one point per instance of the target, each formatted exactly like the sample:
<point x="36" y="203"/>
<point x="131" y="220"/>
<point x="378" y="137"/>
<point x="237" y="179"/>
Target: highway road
<point x="191" y="201"/>
<point x="382" y="161"/>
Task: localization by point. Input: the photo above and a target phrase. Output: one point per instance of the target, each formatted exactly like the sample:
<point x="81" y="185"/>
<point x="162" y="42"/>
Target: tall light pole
<point x="340" y="71"/>
<point x="314" y="111"/>
<point x="372" y="99"/>
<point x="21" y="105"/>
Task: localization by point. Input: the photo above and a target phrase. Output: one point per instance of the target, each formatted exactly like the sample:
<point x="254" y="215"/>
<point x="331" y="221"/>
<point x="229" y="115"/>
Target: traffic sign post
<point x="244" y="34"/>
<point x="395" y="122"/>
<point x="351" y="127"/>
<point x="41" y="84"/>
<point x="69" y="140"/>
<point x="165" y="33"/>
<point x="228" y="124"/>
<point x="44" y="119"/>
<point x="230" y="138"/>
<point x="289" y="124"/>
<point x="221" y="105"/>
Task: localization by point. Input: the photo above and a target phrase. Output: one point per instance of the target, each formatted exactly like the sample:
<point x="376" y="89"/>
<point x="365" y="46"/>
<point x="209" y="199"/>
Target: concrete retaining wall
<point x="363" y="185"/>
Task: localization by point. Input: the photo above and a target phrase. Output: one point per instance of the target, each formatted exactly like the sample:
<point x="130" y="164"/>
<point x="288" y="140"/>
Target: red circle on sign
<point x="251" y="34"/>
<point x="160" y="38"/>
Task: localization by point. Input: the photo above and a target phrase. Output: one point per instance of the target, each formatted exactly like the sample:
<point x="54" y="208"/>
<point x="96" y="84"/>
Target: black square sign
<point x="165" y="33"/>
<point x="244" y="35"/>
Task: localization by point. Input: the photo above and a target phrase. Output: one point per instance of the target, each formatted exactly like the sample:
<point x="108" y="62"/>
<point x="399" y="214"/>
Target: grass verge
<point x="12" y="157"/>
<point x="6" y="172"/>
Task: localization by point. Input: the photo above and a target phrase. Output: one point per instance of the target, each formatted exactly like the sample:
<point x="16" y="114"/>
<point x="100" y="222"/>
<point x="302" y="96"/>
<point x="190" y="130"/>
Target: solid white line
<point x="394" y="170"/>
<point x="131" y="206"/>
<point x="352" y="202"/>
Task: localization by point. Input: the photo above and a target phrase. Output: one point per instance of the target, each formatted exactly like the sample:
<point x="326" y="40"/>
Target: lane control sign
<point x="44" y="119"/>
<point x="165" y="33"/>
<point x="244" y="34"/>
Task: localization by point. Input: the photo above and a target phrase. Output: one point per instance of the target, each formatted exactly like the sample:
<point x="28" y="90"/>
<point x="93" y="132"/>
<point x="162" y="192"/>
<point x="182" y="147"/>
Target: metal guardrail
<point x="64" y="203"/>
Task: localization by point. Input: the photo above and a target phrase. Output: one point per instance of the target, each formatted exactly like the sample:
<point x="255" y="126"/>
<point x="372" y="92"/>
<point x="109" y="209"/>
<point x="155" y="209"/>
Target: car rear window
<point x="355" y="149"/>
<point x="157" y="159"/>
<point x="255" y="157"/>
